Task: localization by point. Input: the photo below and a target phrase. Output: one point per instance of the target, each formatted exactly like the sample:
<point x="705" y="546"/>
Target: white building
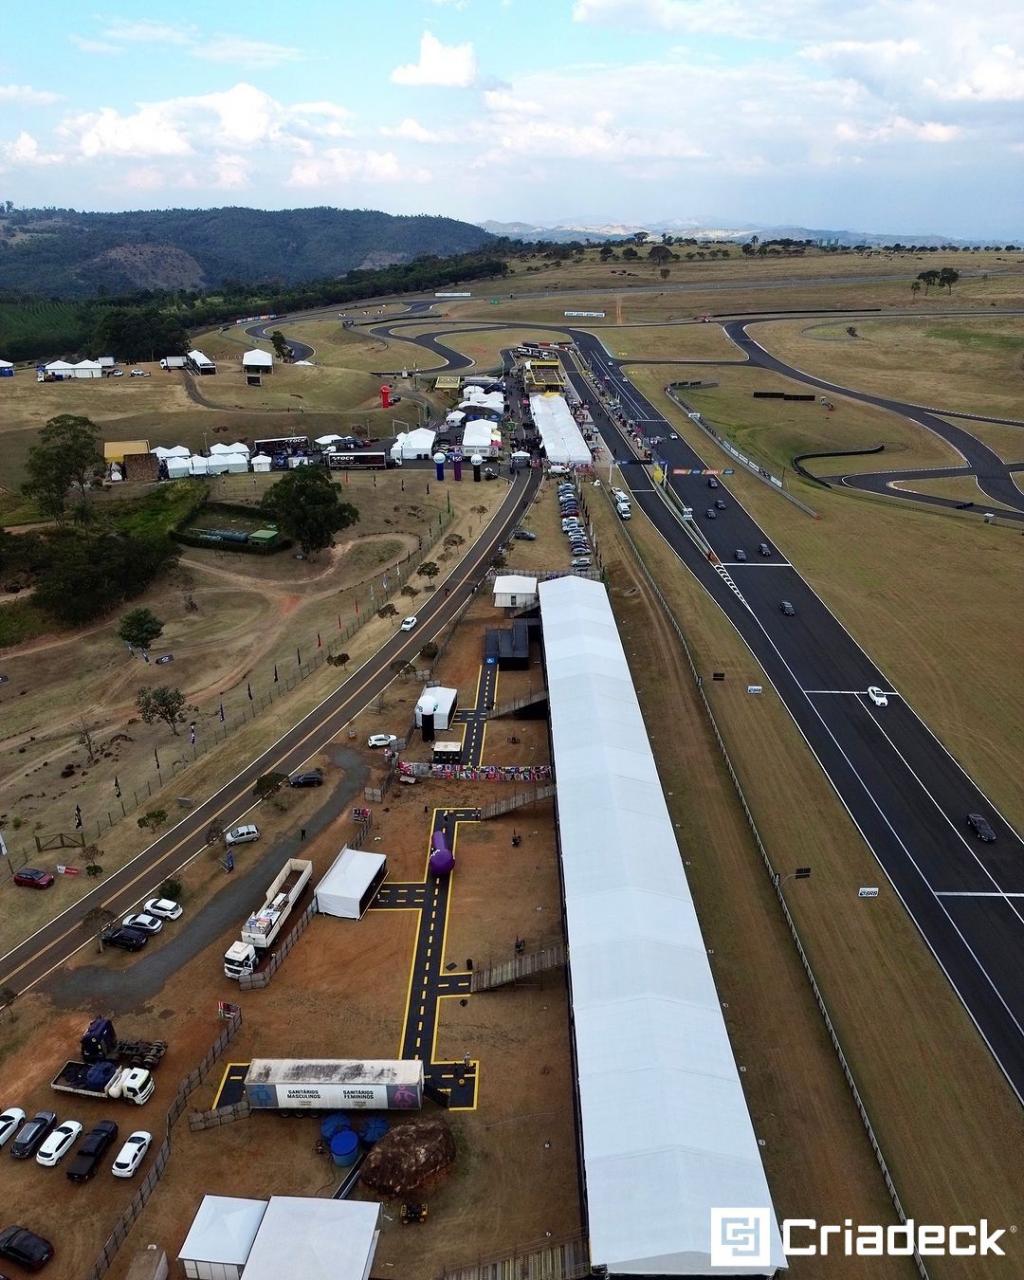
<point x="257" y="361"/>
<point x="106" y="362"/>
<point x="351" y="883"/>
<point x="562" y="439"/>
<point x="666" y="1136"/>
<point x="514" y="591"/>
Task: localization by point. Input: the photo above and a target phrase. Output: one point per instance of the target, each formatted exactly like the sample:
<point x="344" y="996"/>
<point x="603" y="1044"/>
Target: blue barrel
<point x="332" y="1124"/>
<point x="345" y="1147"/>
<point x="374" y="1129"/>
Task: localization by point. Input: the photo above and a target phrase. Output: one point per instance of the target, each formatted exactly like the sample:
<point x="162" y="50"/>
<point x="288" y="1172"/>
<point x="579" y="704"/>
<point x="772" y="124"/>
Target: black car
<point x="711" y="514"/>
<point x="125" y="937"/>
<point x="787" y="608"/>
<point x="314" y="778"/>
<point x="32" y="1133"/>
<point x="763" y="549"/>
<point x="525" y="535"/>
<point x="26" y="1248"/>
<point x="720" y="504"/>
<point x="981" y="828"/>
<point x="740" y="554"/>
<point x="91" y="1151"/>
<point x="712" y="482"/>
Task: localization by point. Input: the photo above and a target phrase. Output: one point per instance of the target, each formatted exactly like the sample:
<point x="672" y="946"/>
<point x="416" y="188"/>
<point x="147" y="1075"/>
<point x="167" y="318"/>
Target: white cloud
<point x="24" y="151"/>
<point x="143" y="178"/>
<point x="87" y="45"/>
<point x="896" y="128"/>
<point x="258" y="54"/>
<point x="338" y="164"/>
<point x="144" y="31"/>
<point x="411" y="130"/>
<point x="994" y="75"/>
<point x="239" y="51"/>
<point x="230" y="172"/>
<point x="152" y="130"/>
<point x="451" y="66"/>
<point x="25" y="95"/>
<point x="502" y="100"/>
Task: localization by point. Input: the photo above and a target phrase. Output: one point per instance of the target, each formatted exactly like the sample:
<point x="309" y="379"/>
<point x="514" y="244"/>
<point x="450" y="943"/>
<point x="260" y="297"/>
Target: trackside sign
<point x="574" y="315"/>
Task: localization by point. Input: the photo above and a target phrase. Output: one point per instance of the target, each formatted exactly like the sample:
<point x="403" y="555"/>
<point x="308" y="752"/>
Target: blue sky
<point x="887" y="115"/>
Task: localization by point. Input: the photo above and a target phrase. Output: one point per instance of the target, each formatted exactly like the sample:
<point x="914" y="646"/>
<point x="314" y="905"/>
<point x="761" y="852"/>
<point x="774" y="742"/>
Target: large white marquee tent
<point x="563" y="442"/>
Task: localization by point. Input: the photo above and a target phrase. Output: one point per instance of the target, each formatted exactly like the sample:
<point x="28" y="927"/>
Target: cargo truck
<point x="105" y="1080"/>
<point x="262" y="928"/>
<point x="290" y="1084"/>
<point x="99" y="1043"/>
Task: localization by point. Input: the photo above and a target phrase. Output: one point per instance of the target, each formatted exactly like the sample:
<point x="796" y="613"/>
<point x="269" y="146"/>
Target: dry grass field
<point x="947" y="1123"/>
<point x="974" y="365"/>
<point x="959" y="488"/>
<point x="1005" y="441"/>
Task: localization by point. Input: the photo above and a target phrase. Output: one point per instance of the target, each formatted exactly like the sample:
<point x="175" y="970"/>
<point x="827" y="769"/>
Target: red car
<point x="32" y="878"/>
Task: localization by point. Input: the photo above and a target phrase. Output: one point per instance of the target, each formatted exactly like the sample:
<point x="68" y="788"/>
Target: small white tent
<point x="87" y="369"/>
<point x="414" y="444"/>
<point x="330" y="438"/>
<point x="258" y="361"/>
<point x="175" y="451"/>
<point x="198" y="465"/>
<point x="351" y="884"/>
<point x="6" y="369"/>
<point x="261" y="462"/>
<point x="225" y="449"/>
<point x="177" y="467"/>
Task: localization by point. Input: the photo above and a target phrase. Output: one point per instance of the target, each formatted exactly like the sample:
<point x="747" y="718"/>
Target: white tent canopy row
<point x="563" y="442"/>
<point x="174" y="451"/>
<point x="237" y="447"/>
<point x="410" y="445"/>
<point x="488" y="402"/>
<point x="666" y="1134"/>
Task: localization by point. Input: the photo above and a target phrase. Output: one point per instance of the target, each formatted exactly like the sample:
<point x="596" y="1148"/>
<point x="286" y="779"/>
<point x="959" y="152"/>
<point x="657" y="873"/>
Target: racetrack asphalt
<point x="52" y="945"/>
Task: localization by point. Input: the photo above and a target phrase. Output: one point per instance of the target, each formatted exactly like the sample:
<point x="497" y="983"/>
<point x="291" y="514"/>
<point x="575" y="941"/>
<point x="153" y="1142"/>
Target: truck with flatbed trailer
<point x="300" y="1084"/>
<point x="263" y="927"/>
<point x="105" y="1080"/>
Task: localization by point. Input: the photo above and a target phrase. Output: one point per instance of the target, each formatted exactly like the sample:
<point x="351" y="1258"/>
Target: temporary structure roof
<point x="563" y="442"/>
<point x="237" y="447"/>
<point x="177" y="467"/>
<point x="88" y="364"/>
<point x="414" y="444"/>
<point x="223" y="1230"/>
<point x="107" y="362"/>
<point x="175" y="451"/>
<point x="514" y="584"/>
<point x="197" y="357"/>
<point x="340" y="892"/>
<point x="198" y="465"/>
<point x="58" y="366"/>
<point x="257" y="359"/>
<point x="666" y="1133"/>
<point x="480" y="435"/>
<point x="308" y="363"/>
<point x="306" y="1238"/>
<point x="328" y="439"/>
<point x="6" y="364"/>
<point x="261" y="462"/>
<point x="454" y="418"/>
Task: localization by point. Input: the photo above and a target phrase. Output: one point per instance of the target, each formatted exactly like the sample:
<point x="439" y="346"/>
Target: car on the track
<point x="877" y="696"/>
<point x="981" y="827"/>
<point x="165" y="908"/>
<point x="144" y="921"/>
<point x="57" y="1143"/>
<point x="126" y="939"/>
<point x="763" y="549"/>
<point x="525" y="535"/>
<point x="787" y="608"/>
<point x="93" y="1148"/>
<point x="381" y="740"/>
<point x="720" y="504"/>
<point x="10" y="1120"/>
<point x="244" y="834"/>
<point x="32" y="1133"/>
<point x="711" y="514"/>
<point x="132" y="1154"/>
<point x="712" y="482"/>
<point x="409" y="623"/>
<point x="740" y="554"/>
<point x="311" y="778"/>
<point x="24" y="1247"/>
<point x="672" y="435"/>
<point x="33" y="878"/>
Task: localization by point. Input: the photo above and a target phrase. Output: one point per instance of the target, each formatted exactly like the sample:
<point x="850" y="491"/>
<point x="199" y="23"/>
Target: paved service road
<point x="907" y="795"/>
<point x="56" y="942"/>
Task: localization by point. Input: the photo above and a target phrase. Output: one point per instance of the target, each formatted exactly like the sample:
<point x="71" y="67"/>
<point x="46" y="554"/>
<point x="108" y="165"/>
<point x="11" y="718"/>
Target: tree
<point x="665" y="272"/>
<point x="928" y="278"/>
<point x="659" y="254"/>
<point x="135" y="333"/>
<point x="630" y="253"/>
<point x="139" y="628"/>
<point x="268" y="783"/>
<point x="163" y="703"/>
<point x="67" y="454"/>
<point x="87" y="575"/>
<point x="153" y="820"/>
<point x="428" y="569"/>
<point x="87" y="739"/>
<point x="915" y="288"/>
<point x="948" y="277"/>
<point x="281" y="348"/>
<point x="387" y="611"/>
<point x="95" y="922"/>
<point x="170" y="888"/>
<point x="308" y="507"/>
<point x="429" y="651"/>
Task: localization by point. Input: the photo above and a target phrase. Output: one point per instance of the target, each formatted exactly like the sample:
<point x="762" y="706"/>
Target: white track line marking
<point x="965" y="893"/>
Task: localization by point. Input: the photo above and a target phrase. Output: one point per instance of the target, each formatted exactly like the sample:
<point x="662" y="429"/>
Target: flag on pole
<point x="117" y="787"/>
<point x="78" y="817"/>
<point x="319" y="642"/>
<point x="221" y="713"/>
<point x="298" y="658"/>
<point x="275" y="673"/>
<point x="192" y="733"/>
<point x="248" y="689"/>
<point x="339" y="621"/>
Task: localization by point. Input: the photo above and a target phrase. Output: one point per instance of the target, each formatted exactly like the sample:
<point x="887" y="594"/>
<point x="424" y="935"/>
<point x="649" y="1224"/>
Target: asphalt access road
<point x="54" y="944"/>
<point x="880" y="482"/>
<point x="993" y="475"/>
<point x="907" y="795"/>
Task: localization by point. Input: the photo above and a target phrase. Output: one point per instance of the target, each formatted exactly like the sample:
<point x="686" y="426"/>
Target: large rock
<point x="407" y="1156"/>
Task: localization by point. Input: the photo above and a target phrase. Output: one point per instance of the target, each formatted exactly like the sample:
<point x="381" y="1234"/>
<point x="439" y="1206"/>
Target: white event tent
<point x="562" y="439"/>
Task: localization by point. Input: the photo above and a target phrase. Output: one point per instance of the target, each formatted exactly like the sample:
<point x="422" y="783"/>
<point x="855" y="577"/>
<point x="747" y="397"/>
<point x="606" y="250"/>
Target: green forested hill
<point x="64" y="253"/>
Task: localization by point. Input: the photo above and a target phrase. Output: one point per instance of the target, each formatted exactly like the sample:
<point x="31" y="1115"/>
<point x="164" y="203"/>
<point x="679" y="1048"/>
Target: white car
<point x="408" y="623"/>
<point x="620" y="495"/>
<point x="131" y="1154"/>
<point x="244" y="834"/>
<point x="11" y="1121"/>
<point x="58" y="1143"/>
<point x="877" y="696"/>
<point x="142" y="920"/>
<point x="164" y="908"/>
<point x="381" y="740"/>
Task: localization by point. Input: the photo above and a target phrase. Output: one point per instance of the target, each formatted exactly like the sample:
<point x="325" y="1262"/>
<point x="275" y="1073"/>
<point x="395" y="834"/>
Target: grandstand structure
<point x="665" y="1138"/>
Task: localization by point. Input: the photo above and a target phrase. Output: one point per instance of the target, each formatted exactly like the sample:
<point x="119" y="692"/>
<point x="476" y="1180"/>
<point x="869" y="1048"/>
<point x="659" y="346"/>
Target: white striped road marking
<point x="958" y="893"/>
<point x="856" y="692"/>
<point x="754" y="564"/>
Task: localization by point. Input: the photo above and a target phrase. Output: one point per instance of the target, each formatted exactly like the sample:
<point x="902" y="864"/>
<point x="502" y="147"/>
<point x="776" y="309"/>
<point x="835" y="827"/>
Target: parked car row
<point x="572" y="526"/>
<point x="50" y="1140"/>
<point x="622" y="507"/>
<point x="135" y="930"/>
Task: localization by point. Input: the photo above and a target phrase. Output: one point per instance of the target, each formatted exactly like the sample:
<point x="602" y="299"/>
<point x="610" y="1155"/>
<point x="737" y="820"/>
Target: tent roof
<point x="562" y="439"/>
<point x="330" y="438"/>
<point x="262" y="358"/>
<point x="479" y="433"/>
<point x="306" y="1238"/>
<point x="223" y="1230"/>
<point x="59" y="365"/>
<point x="6" y="364"/>
<point x="420" y="437"/>
<point x="196" y="355"/>
<point x="175" y="451"/>
<point x="666" y="1133"/>
<point x="88" y="364"/>
<point x="514" y="584"/>
<point x="350" y="872"/>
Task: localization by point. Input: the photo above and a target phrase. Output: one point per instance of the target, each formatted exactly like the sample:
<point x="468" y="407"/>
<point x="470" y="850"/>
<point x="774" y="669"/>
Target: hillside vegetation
<point x="62" y="252"/>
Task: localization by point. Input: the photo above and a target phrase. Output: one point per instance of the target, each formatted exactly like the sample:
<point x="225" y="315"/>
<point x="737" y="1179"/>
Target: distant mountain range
<point x="697" y="229"/>
<point x="61" y="252"/>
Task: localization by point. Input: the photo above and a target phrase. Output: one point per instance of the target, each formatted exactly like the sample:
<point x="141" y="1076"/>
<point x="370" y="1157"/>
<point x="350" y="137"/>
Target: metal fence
<point x="819" y="999"/>
<point x="147" y="1186"/>
<point x="257" y="981"/>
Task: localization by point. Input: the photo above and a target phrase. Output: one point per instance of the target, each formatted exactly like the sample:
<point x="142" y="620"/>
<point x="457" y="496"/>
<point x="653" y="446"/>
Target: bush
<point x="170" y="888"/>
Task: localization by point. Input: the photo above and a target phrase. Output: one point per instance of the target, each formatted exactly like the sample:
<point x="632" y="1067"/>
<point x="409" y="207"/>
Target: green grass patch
<point x="158" y="512"/>
<point x="26" y="326"/>
<point x="21" y="620"/>
<point x="975" y="339"/>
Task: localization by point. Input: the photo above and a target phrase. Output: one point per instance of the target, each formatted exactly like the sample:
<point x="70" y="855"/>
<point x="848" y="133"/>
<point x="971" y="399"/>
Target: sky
<point x="897" y="116"/>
